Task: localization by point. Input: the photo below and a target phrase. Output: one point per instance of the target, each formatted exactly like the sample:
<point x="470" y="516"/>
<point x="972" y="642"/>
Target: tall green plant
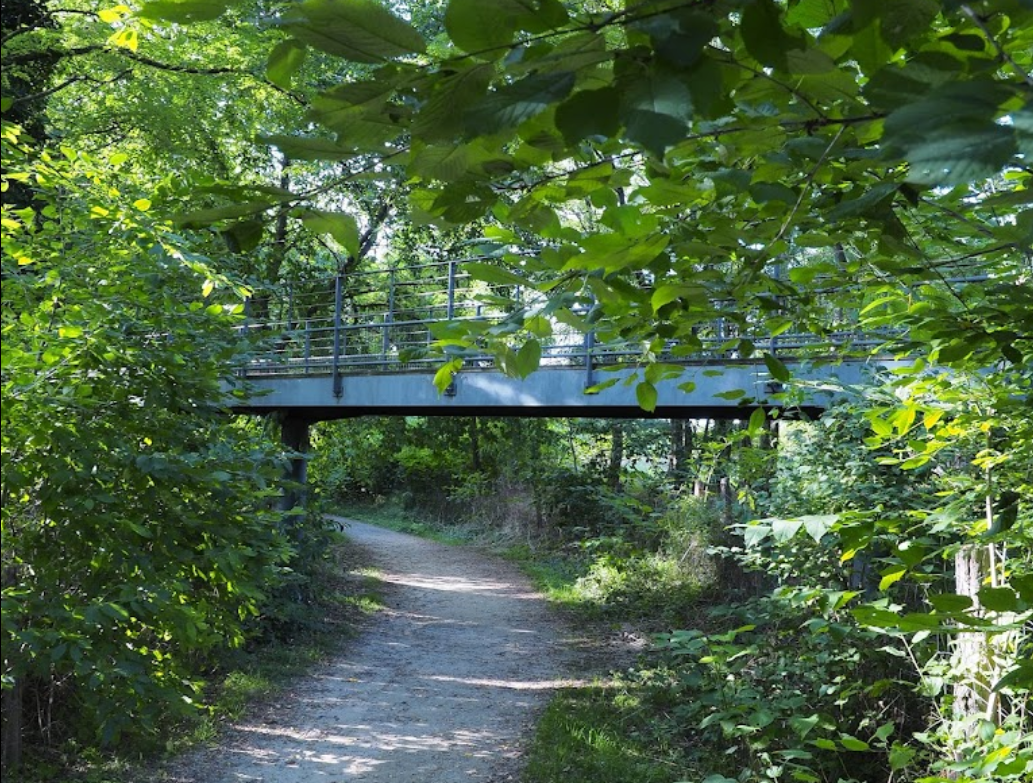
<point x="138" y="530"/>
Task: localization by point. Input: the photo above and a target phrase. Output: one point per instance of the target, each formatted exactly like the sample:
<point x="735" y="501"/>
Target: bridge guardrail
<point x="381" y="322"/>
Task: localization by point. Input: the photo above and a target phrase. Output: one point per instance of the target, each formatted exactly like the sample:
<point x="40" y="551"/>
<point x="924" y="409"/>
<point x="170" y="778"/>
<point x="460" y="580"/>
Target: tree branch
<point x="60" y="54"/>
<point x="978" y="22"/>
<point x="68" y="83"/>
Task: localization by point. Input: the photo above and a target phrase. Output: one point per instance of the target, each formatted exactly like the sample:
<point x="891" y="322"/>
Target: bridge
<point x="363" y="344"/>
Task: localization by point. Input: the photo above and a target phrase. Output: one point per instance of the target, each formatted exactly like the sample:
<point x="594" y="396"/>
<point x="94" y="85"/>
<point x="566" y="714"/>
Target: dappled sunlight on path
<point x="442" y="687"/>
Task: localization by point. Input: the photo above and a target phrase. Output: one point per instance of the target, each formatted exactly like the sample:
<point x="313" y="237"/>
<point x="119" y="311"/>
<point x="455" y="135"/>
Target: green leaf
<point x="204" y="217"/>
<point x="892" y="574"/>
<point x="873" y="200"/>
<point x="765" y="39"/>
<point x="339" y="225"/>
<point x="486" y="27"/>
<point x="246" y="234"/>
<point x="655" y="109"/>
<point x="481" y="25"/>
<point x="679" y="36"/>
<point x="756" y="423"/>
<point x="958" y="157"/>
<point x="359" y="30"/>
<point x="614" y="251"/>
<point x="734" y="394"/>
<point x="900" y="756"/>
<point x="589" y="113"/>
<point x="763" y="192"/>
<point x="441" y="117"/>
<point x="777" y="369"/>
<point x="184" y="11"/>
<point x="784" y="529"/>
<point x="284" y="61"/>
<point x="817" y="525"/>
<point x="512" y="104"/>
<point x="754" y="533"/>
<point x="646" y="395"/>
<point x="528" y="358"/>
<point x="804" y="726"/>
<point x="950" y="602"/>
<point x="851" y="742"/>
<point x="884" y="731"/>
<point x="490" y="273"/>
<point x="875" y="617"/>
<point x="602" y="385"/>
<point x="998" y="599"/>
<point x="308" y="147"/>
<point x="901" y="20"/>
<point x="446" y="374"/>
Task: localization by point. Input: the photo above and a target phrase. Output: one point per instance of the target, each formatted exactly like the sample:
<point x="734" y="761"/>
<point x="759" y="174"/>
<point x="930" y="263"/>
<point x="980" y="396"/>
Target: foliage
<point x="746" y="177"/>
<point x="138" y="534"/>
<point x="600" y="733"/>
<point x="798" y="692"/>
<point x="627" y="153"/>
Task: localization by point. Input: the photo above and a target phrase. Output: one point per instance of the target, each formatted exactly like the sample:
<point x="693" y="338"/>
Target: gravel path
<point x="442" y="687"/>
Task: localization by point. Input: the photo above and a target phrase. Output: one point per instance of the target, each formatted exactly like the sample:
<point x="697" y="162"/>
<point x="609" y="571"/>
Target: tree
<point x="138" y="535"/>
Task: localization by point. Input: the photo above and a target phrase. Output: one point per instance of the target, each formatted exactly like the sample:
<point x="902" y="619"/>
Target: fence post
<point x="338" y="387"/>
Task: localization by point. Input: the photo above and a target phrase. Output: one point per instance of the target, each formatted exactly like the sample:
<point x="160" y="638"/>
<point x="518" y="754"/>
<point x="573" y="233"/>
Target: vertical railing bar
<point x="338" y="385"/>
<point x="450" y="311"/>
<point x="589" y="369"/>
<point x="388" y="318"/>
<point x="308" y="344"/>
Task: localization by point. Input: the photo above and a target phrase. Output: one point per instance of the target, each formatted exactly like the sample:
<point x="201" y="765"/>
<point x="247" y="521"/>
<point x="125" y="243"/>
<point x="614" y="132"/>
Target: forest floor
<point x="443" y="686"/>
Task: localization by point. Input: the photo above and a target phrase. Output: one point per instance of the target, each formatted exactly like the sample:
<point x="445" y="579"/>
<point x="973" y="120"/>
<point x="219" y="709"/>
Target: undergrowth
<point x="305" y="628"/>
<point x="605" y="733"/>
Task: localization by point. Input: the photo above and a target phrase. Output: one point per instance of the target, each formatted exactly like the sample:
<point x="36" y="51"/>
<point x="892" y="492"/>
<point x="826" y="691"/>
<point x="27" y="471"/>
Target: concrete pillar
<point x="294" y="434"/>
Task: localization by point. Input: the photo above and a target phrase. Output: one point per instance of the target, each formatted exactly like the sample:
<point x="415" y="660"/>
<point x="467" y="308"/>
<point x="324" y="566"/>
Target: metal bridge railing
<point x="383" y="321"/>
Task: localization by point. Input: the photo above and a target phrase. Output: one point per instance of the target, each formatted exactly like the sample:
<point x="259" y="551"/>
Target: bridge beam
<point x="720" y="391"/>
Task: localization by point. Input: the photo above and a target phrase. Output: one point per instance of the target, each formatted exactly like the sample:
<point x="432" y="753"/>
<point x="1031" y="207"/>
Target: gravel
<point x="444" y="686"/>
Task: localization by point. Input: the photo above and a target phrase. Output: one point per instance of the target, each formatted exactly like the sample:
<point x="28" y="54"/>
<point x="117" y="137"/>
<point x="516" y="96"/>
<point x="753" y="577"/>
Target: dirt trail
<point x="443" y="687"/>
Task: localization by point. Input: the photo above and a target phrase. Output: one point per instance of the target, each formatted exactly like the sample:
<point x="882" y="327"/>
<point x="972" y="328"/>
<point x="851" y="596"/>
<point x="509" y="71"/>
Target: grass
<point x="601" y="733"/>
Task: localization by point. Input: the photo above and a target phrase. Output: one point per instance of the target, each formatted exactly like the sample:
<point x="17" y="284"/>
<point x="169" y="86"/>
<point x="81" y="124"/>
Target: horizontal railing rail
<point x="382" y="321"/>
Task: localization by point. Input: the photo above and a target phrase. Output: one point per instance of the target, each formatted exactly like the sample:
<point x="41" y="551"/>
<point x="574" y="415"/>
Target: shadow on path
<point x="443" y="687"/>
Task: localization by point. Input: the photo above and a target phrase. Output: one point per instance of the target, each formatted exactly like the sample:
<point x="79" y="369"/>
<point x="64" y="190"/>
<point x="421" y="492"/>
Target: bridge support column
<point x="294" y="435"/>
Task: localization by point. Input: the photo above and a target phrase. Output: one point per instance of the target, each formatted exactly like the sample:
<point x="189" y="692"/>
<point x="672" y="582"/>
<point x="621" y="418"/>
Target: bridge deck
<point x="720" y="391"/>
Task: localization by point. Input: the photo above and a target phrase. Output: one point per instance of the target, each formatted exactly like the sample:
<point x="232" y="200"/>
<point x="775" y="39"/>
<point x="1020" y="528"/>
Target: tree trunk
<point x="11" y="700"/>
<point x="475" y="446"/>
<point x="677" y="463"/>
<point x="613" y="472"/>
<point x="974" y="661"/>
